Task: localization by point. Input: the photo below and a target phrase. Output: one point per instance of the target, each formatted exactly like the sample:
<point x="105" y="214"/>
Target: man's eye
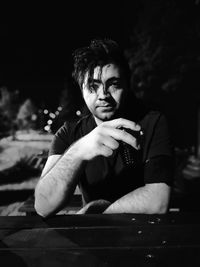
<point x="115" y="85"/>
<point x="93" y="87"/>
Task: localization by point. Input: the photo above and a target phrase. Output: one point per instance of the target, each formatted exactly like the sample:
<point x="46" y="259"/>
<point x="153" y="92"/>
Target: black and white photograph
<point x="100" y="134"/>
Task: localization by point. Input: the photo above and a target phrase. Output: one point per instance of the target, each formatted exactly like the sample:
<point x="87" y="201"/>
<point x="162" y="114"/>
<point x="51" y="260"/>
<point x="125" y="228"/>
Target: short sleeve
<point x="159" y="165"/>
<point x="60" y="141"/>
<point x="160" y="143"/>
<point x="159" y="169"/>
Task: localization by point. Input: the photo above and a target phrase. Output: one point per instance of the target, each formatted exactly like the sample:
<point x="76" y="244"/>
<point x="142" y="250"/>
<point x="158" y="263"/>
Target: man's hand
<point x="104" y="139"/>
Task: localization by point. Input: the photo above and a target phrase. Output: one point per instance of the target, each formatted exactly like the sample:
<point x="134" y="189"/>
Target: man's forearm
<point x="143" y="200"/>
<point x="53" y="191"/>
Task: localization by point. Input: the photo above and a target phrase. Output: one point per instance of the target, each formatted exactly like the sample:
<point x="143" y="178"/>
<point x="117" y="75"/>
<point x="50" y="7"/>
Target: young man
<point x="119" y="154"/>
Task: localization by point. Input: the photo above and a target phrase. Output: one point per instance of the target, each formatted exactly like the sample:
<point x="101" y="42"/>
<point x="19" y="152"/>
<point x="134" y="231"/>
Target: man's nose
<point x="103" y="92"/>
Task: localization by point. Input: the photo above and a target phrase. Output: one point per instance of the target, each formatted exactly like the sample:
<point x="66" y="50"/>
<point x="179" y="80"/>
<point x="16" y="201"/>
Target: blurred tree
<point x="163" y="45"/>
<point x="164" y="57"/>
<point x="67" y="100"/>
<point x="9" y="103"/>
<point x="70" y="102"/>
<point x="27" y="115"/>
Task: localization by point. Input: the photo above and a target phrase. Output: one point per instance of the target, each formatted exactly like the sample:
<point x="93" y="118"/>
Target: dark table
<point x="101" y="240"/>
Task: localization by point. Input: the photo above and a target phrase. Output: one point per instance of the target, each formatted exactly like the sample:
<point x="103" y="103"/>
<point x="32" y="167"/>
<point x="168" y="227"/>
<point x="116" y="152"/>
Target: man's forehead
<point x="105" y="72"/>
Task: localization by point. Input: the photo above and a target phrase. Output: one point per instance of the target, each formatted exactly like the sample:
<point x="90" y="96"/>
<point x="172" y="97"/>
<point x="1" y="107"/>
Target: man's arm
<point x="58" y="182"/>
<point x="149" y="199"/>
<point x="158" y="172"/>
<point x="55" y="188"/>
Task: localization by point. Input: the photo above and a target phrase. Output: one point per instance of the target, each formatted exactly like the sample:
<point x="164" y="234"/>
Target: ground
<point x="25" y="144"/>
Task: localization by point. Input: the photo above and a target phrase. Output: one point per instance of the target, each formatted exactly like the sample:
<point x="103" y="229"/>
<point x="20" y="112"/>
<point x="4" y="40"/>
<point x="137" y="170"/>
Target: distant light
<point x="49" y="122"/>
<point x="140" y="84"/>
<point x="57" y="113"/>
<point x="34" y="117"/>
<point x="78" y="112"/>
<point x="59" y="108"/>
<point x="46" y="111"/>
<point x="52" y="115"/>
<point x="47" y="128"/>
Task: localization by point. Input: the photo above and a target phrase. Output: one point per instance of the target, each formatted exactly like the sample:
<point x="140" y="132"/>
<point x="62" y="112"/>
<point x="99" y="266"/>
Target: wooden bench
<point x="120" y="240"/>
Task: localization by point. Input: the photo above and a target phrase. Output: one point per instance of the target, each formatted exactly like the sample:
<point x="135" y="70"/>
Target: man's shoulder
<point x="70" y="131"/>
<point x="78" y="127"/>
<point x="73" y="122"/>
<point x="151" y="115"/>
<point x="153" y="119"/>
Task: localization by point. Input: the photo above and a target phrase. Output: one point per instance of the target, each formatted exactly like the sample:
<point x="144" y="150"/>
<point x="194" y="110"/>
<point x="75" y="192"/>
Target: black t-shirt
<point x="111" y="178"/>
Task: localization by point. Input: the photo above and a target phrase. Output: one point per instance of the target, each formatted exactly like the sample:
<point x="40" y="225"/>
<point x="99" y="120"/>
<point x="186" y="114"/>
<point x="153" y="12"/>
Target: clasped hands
<point x="105" y="138"/>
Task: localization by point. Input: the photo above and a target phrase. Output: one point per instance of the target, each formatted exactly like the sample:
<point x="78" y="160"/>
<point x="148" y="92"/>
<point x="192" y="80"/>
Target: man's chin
<point x="106" y="116"/>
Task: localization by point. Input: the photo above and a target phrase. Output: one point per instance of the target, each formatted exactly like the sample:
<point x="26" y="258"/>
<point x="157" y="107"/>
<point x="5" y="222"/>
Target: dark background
<point x="36" y="44"/>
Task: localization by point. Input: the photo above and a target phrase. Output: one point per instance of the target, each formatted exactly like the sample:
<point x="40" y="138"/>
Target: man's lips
<point x="104" y="105"/>
<point x="105" y="108"/>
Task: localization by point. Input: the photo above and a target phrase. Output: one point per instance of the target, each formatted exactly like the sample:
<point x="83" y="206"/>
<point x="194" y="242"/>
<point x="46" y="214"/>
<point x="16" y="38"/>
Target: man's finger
<point x="121" y="135"/>
<point x="123" y="123"/>
<point x="110" y="142"/>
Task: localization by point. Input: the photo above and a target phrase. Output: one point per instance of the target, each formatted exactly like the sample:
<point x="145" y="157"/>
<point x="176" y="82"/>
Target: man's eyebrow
<point x="113" y="79"/>
<point x="94" y="80"/>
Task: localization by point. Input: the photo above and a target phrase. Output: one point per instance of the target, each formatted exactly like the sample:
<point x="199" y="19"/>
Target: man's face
<point x="104" y="93"/>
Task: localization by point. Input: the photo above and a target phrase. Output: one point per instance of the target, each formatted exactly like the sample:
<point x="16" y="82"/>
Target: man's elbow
<point x="159" y="200"/>
<point x="162" y="209"/>
<point x="39" y="210"/>
<point x="158" y="208"/>
<point x="40" y="207"/>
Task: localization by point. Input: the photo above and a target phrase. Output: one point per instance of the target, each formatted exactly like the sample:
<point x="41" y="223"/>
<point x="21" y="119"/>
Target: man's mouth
<point x="105" y="105"/>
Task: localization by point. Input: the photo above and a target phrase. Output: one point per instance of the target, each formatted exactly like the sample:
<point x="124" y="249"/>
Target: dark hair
<point x="100" y="52"/>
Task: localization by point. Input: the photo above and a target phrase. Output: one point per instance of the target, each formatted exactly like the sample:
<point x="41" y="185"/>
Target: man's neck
<point x="98" y="121"/>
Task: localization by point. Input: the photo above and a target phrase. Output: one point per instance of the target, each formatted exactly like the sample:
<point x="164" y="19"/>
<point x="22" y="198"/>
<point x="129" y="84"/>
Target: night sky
<point x="36" y="45"/>
<point x="36" y="42"/>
